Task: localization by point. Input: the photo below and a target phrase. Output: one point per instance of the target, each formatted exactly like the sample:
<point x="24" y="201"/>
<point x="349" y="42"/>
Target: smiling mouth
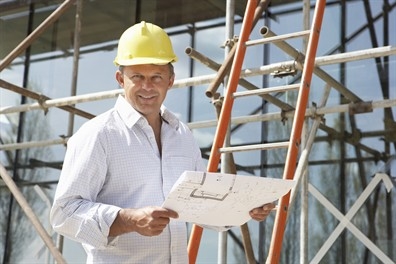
<point x="147" y="97"/>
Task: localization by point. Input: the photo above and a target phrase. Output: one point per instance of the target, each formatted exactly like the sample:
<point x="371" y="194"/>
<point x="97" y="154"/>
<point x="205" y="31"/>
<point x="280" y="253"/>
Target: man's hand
<point x="147" y="221"/>
<point x="260" y="213"/>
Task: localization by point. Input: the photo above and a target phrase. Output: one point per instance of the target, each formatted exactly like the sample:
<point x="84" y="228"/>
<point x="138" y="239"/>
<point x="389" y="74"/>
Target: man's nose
<point x="147" y="83"/>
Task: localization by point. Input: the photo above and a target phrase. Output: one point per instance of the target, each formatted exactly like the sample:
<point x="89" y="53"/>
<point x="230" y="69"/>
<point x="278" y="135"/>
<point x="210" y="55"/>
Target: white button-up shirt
<point x="113" y="162"/>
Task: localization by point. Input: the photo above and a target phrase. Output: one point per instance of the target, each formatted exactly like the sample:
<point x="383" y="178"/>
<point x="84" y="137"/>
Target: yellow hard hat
<point x="144" y="43"/>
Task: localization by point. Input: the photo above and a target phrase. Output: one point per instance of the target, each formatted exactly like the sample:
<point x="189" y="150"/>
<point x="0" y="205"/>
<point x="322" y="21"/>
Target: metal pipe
<point x="247" y="243"/>
<point x="283" y="88"/>
<point x="191" y="52"/>
<point x="76" y="57"/>
<point x="267" y="146"/>
<point x="204" y="79"/>
<point x="275" y="116"/>
<point x="33" y="144"/>
<point x="40" y="98"/>
<point x="301" y="176"/>
<point x="35" y="34"/>
<point x="244" y="83"/>
<point x="30" y="214"/>
<point x="226" y="66"/>
<point x="227" y="160"/>
<point x="320" y="73"/>
<point x="19" y="137"/>
<point x="306" y="142"/>
<point x="274" y="39"/>
<point x="63" y="102"/>
<point x="222" y="72"/>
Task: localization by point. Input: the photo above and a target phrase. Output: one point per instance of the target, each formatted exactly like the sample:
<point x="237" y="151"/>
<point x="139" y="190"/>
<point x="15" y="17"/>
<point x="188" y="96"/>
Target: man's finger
<point x="163" y="212"/>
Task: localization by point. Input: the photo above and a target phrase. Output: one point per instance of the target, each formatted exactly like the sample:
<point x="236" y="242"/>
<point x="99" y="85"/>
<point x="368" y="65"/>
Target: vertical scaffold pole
<point x="295" y="138"/>
<point x="225" y="114"/>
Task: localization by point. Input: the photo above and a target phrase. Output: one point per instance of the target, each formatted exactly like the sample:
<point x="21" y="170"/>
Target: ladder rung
<point x="278" y="38"/>
<point x="255" y="147"/>
<point x="283" y="88"/>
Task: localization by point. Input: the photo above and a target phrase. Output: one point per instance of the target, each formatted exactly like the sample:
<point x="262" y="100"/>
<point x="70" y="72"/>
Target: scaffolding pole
<point x="227" y="164"/>
<point x="204" y="79"/>
<point x="45" y="103"/>
<point x="306" y="143"/>
<point x="31" y="215"/>
<point x="276" y="116"/>
<point x="36" y="33"/>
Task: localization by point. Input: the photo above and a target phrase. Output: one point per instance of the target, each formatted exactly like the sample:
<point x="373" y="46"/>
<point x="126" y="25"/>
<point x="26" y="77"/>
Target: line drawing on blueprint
<point x="203" y="194"/>
<point x="220" y="199"/>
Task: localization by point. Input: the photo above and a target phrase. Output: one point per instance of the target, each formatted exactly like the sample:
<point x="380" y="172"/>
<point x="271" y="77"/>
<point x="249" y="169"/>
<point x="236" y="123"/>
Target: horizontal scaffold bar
<point x="283" y="88"/>
<point x="205" y="79"/>
<point x="278" y="38"/>
<point x="275" y="116"/>
<point x="265" y="146"/>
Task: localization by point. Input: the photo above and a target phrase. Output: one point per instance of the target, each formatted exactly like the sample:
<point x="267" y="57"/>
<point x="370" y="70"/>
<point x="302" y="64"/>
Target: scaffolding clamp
<point x="230" y="42"/>
<point x="314" y="114"/>
<point x="360" y="107"/>
<point x="355" y="136"/>
<point x="41" y="101"/>
<point x="285" y="70"/>
<point x="283" y="116"/>
<point x="217" y="101"/>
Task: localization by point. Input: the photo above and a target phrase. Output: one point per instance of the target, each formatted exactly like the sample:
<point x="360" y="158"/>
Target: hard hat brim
<point x="139" y="61"/>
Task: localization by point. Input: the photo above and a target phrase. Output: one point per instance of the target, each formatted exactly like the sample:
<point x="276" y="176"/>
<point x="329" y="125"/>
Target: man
<point x="120" y="165"/>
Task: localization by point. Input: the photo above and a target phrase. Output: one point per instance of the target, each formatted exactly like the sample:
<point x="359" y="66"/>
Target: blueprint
<point x="220" y="199"/>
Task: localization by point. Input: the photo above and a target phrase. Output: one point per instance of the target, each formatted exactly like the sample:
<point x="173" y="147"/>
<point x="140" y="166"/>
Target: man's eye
<point x="156" y="78"/>
<point x="137" y="77"/>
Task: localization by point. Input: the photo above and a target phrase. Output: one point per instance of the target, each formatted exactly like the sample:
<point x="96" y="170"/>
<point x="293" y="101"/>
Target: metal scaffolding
<point x="231" y="70"/>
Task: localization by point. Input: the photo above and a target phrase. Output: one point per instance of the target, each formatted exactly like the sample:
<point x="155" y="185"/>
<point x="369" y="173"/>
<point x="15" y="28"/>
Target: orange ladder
<point x="293" y="144"/>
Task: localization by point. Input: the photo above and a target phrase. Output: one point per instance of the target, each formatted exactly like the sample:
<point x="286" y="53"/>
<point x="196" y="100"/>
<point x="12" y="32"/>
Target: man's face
<point x="146" y="87"/>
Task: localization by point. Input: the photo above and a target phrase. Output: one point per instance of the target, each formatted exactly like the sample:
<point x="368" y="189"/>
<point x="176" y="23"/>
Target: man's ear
<point x="171" y="81"/>
<point x="120" y="78"/>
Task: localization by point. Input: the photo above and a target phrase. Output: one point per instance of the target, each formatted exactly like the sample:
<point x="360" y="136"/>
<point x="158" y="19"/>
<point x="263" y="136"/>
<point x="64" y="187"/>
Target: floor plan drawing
<point x="221" y="199"/>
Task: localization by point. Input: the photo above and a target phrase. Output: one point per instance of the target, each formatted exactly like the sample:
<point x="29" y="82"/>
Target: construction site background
<point x="354" y="149"/>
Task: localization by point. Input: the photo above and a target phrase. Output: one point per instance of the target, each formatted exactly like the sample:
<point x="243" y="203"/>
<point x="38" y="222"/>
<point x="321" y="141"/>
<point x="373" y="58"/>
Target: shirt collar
<point x="130" y="116"/>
